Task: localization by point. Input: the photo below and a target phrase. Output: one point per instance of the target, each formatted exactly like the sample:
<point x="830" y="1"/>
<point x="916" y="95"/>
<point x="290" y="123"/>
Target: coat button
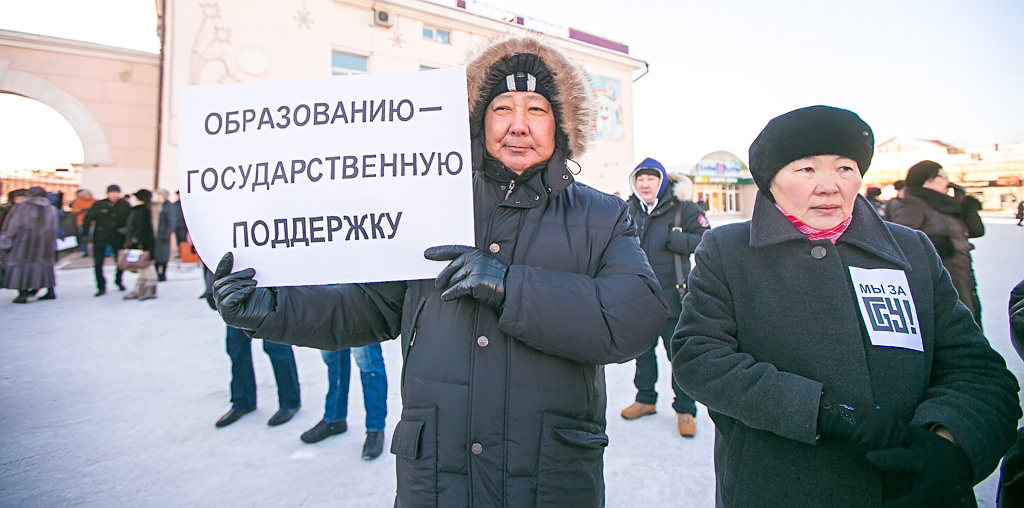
<point x="818" y="252"/>
<point x="477" y="449"/>
<point x="482" y="341"/>
<point x="494" y="248"/>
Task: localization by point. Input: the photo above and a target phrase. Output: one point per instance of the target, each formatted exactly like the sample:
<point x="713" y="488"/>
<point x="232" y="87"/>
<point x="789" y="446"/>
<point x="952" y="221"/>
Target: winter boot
<point x="687" y="425"/>
<point x="21" y="298"/>
<point x="638" y="409"/>
<point x="148" y="290"/>
<point x="50" y="295"/>
<point x="136" y="291"/>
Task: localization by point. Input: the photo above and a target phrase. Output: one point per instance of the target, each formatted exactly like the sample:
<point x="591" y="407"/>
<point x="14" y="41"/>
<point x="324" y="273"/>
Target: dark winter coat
<point x="165" y="227"/>
<point x="108" y="217"/>
<point x="661" y="243"/>
<point x="503" y="408"/>
<point x="949" y="224"/>
<point x="180" y="229"/>
<point x="139" y="229"/>
<point x="31" y="226"/>
<point x="767" y="326"/>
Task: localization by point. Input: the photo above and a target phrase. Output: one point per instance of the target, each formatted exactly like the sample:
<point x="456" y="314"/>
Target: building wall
<point x="992" y="173"/>
<point x="224" y="41"/>
<point x="114" y="86"/>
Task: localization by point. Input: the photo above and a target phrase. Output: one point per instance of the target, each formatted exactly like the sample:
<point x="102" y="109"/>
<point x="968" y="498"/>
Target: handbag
<point x="133" y="259"/>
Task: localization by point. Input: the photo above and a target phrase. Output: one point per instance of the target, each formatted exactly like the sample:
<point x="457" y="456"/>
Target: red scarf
<point x="812" y="234"/>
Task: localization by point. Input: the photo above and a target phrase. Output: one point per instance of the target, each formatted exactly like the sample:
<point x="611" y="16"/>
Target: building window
<point x="344" y="64"/>
<point x="436" y="34"/>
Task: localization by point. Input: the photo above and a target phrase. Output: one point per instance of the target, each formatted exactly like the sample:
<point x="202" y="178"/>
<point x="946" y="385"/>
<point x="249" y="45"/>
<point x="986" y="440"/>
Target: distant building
<point x="230" y="41"/>
<point x="109" y="96"/>
<point x="992" y="173"/>
<point x="722" y="183"/>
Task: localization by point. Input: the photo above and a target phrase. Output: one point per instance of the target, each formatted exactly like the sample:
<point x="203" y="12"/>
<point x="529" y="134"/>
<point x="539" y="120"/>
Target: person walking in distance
<point x="107" y="216"/>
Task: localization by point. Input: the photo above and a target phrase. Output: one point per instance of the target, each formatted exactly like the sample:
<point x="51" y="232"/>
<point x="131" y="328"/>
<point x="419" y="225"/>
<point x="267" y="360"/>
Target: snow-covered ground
<point x="105" y="402"/>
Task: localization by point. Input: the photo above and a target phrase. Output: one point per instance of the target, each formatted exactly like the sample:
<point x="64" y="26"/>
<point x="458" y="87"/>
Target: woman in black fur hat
<point x="829" y="346"/>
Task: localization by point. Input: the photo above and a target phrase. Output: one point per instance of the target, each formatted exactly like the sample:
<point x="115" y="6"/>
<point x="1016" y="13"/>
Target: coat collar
<point x="550" y="181"/>
<point x="867" y="231"/>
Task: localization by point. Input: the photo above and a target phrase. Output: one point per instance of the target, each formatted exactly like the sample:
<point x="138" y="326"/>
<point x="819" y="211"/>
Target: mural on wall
<point x="608" y="96"/>
<point x="208" y="63"/>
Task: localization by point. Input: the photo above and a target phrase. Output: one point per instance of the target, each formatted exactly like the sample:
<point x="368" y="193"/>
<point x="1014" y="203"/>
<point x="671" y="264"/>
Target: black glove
<point x="240" y="303"/>
<point x="939" y="469"/>
<point x="865" y="425"/>
<point x="474" y="273"/>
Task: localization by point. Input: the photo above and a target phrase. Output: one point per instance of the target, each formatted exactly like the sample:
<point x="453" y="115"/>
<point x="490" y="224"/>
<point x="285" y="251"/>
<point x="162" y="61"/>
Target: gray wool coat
<point x="767" y="326"/>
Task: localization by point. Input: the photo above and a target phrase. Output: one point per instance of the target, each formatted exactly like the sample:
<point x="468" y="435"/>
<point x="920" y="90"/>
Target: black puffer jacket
<point x="503" y="408"/>
<point x="661" y="243"/>
<point x="109" y="218"/>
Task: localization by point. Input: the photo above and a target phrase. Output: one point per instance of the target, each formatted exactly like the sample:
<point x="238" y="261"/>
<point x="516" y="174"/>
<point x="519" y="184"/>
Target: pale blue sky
<point x="937" y="69"/>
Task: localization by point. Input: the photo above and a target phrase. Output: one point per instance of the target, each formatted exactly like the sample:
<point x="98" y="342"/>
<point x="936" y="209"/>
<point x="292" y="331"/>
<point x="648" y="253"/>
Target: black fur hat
<point x="806" y="132"/>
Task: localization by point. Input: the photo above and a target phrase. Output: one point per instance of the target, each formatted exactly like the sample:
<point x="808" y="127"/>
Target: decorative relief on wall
<point x="304" y="18"/>
<point x="208" y="62"/>
<point x="396" y="39"/>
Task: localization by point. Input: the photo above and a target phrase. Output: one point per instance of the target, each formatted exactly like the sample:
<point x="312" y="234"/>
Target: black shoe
<point x="120" y="287"/>
<point x="323" y="430"/>
<point x="374" y="445"/>
<point x="100" y="292"/>
<point x="33" y="292"/>
<point x="232" y="416"/>
<point x="161" y="278"/>
<point x="282" y="416"/>
<point x="20" y="299"/>
<point x="50" y="295"/>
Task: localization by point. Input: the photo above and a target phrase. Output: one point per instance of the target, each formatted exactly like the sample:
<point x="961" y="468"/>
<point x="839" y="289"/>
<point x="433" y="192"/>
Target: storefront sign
<point x="719" y="168"/>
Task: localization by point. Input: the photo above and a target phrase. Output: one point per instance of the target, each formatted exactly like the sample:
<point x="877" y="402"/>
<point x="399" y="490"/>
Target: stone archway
<point x="95" y="147"/>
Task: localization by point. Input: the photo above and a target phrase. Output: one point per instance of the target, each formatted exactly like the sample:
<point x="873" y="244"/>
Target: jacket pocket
<point x="570" y="471"/>
<point x="414" y="445"/>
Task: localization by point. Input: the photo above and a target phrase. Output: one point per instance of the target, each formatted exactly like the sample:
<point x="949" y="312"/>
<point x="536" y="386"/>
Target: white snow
<point x="105" y="402"/>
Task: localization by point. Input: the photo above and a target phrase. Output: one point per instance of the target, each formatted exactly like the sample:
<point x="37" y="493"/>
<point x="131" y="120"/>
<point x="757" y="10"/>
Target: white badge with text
<point x="887" y="307"/>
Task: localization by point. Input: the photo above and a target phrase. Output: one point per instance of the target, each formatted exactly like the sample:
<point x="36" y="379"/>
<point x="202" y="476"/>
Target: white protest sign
<point x="328" y="180"/>
<point x="887" y="307"/>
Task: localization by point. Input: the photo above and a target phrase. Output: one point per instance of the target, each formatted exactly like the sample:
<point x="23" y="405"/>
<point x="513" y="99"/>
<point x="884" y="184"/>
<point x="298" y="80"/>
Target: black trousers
<point x="647" y="371"/>
<point x="98" y="255"/>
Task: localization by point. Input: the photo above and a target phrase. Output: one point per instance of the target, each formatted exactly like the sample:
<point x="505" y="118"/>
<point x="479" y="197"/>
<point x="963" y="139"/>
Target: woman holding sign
<point x="829" y="346"/>
<point x="503" y="386"/>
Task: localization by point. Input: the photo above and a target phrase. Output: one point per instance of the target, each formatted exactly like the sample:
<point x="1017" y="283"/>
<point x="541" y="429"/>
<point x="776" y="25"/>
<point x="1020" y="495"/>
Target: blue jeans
<point x="374" y="379"/>
<point x="243" y="378"/>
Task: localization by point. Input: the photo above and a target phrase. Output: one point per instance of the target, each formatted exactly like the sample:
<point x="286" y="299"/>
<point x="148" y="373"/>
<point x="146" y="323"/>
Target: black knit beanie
<point x="807" y="132"/>
<point x="921" y="172"/>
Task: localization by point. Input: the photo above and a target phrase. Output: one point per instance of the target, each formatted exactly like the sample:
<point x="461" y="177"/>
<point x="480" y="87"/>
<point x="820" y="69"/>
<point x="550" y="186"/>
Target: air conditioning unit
<point x="383" y="18"/>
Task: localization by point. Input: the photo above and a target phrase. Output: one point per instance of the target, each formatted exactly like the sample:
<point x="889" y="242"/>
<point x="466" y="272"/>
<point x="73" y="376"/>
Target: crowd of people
<point x="835" y="339"/>
<point x="32" y="221"/>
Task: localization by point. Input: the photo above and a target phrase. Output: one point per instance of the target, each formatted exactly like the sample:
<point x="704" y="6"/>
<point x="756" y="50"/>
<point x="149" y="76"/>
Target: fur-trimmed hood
<point x="572" y="98"/>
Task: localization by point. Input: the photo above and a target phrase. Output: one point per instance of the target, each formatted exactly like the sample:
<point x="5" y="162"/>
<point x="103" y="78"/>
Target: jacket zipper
<point x="511" y="186"/>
